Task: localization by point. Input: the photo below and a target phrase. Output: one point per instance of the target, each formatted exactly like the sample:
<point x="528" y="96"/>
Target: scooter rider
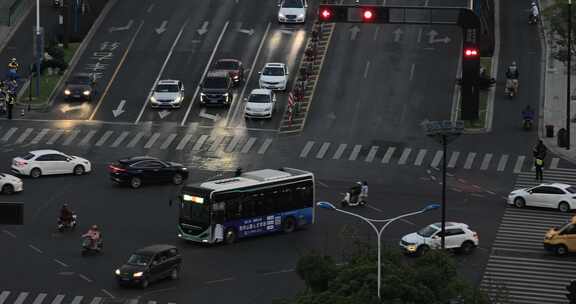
<point x="94" y="235"/>
<point x="363" y="193"/>
<point x="13" y="64"/>
<point x="534" y="12"/>
<point x="528" y="113"/>
<point x="66" y="215"/>
<point x="512" y="75"/>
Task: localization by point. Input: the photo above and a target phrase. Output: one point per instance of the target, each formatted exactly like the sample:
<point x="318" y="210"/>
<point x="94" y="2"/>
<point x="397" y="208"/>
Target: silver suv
<point x="458" y="237"/>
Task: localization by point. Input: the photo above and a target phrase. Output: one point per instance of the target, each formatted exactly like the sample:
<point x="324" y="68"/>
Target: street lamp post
<point x="38" y="38"/>
<point x="443" y="132"/>
<point x="330" y="206"/>
<point x="568" y="77"/>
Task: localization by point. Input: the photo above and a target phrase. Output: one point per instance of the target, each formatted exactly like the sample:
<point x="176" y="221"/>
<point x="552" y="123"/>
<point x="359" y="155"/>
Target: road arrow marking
<point x="67" y="108"/>
<point x="121" y="28"/>
<point x="432" y="37"/>
<point x="397" y="34"/>
<point x="212" y="117"/>
<point x="289" y="32"/>
<point x="204" y="29"/>
<point x="331" y="115"/>
<point x="162" y="27"/>
<point x="163" y="113"/>
<point x="249" y="32"/>
<point x="120" y="109"/>
<point x="354" y="30"/>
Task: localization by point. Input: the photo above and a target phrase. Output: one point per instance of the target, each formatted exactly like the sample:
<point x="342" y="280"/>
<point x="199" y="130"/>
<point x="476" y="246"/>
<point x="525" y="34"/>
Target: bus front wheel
<point x="289" y="225"/>
<point x="230" y="236"/>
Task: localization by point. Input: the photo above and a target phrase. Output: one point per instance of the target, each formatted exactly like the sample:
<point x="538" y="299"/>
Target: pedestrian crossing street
<point x="134" y="139"/>
<point x="9" y="297"/>
<point x="420" y="157"/>
<point x="518" y="260"/>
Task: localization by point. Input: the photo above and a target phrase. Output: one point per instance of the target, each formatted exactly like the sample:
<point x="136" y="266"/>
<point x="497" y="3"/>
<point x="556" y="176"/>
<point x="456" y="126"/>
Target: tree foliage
<point x="431" y="279"/>
<point x="557" y="17"/>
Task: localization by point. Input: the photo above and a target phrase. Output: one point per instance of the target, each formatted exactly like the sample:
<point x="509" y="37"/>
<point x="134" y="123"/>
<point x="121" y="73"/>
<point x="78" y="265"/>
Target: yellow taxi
<point x="561" y="240"/>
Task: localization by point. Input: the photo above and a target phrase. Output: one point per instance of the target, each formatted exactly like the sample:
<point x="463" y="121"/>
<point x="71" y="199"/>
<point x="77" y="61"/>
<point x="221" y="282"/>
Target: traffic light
<point x="353" y="13"/>
<point x="332" y="13"/>
<point x="471" y="53"/>
<point x="571" y="292"/>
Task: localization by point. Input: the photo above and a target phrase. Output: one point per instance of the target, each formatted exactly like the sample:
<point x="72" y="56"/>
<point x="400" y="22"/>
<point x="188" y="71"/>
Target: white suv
<point x="458" y="237"/>
<point x="274" y="76"/>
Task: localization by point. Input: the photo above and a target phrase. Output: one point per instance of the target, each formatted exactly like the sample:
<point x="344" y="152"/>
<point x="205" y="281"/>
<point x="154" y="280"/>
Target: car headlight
<point x="411" y="248"/>
<point x="138" y="274"/>
<point x="86" y="92"/>
<point x="236" y="77"/>
<point x="178" y="99"/>
<point x="67" y="92"/>
<point x="281" y="15"/>
<point x="225" y="94"/>
<point x="117" y="272"/>
<point x="153" y="99"/>
<point x="300" y="16"/>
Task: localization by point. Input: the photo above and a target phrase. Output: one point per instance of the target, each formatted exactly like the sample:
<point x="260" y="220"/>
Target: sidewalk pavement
<point x="553" y="109"/>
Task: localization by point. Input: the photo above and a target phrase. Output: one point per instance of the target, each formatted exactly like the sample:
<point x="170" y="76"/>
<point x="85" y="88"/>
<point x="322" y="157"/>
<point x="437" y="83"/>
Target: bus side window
<point x="233" y="210"/>
<point x="284" y="200"/>
<point x="247" y="208"/>
<point x="303" y="196"/>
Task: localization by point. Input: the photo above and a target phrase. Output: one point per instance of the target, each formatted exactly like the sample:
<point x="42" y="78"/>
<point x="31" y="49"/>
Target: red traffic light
<point x="368" y="15"/>
<point x="471" y="52"/>
<point x="325" y="14"/>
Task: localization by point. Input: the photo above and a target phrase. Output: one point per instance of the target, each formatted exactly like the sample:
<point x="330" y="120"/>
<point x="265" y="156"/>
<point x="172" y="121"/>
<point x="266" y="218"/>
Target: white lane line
<point x="116" y="71"/>
<point x="376" y="32"/>
<point x="60" y="262"/>
<point x="419" y="38"/>
<point x="235" y="107"/>
<point x="355" y="152"/>
<point x="420" y="157"/>
<point x="96" y="300"/>
<point x="412" y="72"/>
<point x="339" y="151"/>
<point x="203" y="74"/>
<point x="519" y="162"/>
<point x="3" y="296"/>
<point x="278" y="272"/>
<point x="58" y="299"/>
<point x="502" y="162"/>
<point x="39" y="298"/>
<point x="120" y="139"/>
<point x="152" y="140"/>
<point x="104" y="138"/>
<point x="404" y="157"/>
<point x="24" y="135"/>
<point x="85" y="278"/>
<point x="9" y="233"/>
<point x="322" y="184"/>
<point x="88" y="137"/>
<point x="436" y="159"/>
<point x="9" y="134"/>
<point x="55" y="137"/>
<point x="469" y="160"/>
<point x="145" y="104"/>
<point x="35" y="248"/>
<point x="453" y="159"/>
<point x="183" y="142"/>
<point x="233" y="143"/>
<point x="323" y="150"/>
<point x="221" y="280"/>
<point x="150" y="8"/>
<point x="265" y="146"/>
<point x="107" y="293"/>
<point x="486" y="161"/>
<point x="366" y="69"/>
<point x="39" y="136"/>
<point x="388" y="155"/>
<point x="199" y="143"/>
<point x="371" y="154"/>
<point x="77" y="300"/>
<point x="554" y="163"/>
<point x="306" y="150"/>
<point x="248" y="145"/>
<point x="21" y="298"/>
<point x="71" y="136"/>
<point x="216" y="143"/>
<point x="135" y="140"/>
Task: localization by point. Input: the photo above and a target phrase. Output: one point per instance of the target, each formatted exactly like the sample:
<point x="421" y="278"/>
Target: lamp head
<point x="431" y="207"/>
<point x="326" y="205"/>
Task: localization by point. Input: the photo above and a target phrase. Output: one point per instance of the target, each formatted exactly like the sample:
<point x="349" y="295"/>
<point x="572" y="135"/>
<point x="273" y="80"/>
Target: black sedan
<point x="79" y="87"/>
<point x="145" y="169"/>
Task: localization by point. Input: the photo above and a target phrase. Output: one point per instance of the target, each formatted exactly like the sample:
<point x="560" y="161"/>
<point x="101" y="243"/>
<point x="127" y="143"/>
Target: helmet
<point x="359" y="183"/>
<point x="95" y="227"/>
<point x="65" y="205"/>
<point x="13" y="59"/>
<point x="514" y="63"/>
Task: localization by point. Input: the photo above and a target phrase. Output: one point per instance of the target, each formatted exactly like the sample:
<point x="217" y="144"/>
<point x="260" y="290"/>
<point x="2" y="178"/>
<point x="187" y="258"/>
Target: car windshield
<point x="28" y="156"/>
<point x="259" y="98"/>
<point x="427" y="231"/>
<point x="226" y="65"/>
<point x="293" y="4"/>
<point x="273" y="71"/>
<point x="139" y="260"/>
<point x="167" y="88"/>
<point x="571" y="189"/>
<point x="80" y="79"/>
<point x="215" y="83"/>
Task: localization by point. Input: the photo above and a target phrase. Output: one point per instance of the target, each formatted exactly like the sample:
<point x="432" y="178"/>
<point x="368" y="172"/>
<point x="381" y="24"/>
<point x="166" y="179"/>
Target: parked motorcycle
<point x="67" y="225"/>
<point x="88" y="248"/>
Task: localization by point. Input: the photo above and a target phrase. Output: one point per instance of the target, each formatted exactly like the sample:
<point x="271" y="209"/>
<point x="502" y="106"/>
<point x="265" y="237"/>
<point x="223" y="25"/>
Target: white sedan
<point x="292" y="11"/>
<point x="10" y="184"/>
<point x="560" y="196"/>
<point x="45" y="162"/>
<point x="274" y="76"/>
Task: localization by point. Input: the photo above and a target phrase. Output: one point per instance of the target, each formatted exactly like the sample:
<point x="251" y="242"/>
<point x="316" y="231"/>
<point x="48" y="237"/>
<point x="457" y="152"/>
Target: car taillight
<point x="115" y="169"/>
<point x="475" y="235"/>
<point x="20" y="163"/>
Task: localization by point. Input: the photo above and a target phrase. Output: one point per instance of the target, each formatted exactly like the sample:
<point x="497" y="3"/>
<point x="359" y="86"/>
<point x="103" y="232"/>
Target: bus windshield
<point x="194" y="209"/>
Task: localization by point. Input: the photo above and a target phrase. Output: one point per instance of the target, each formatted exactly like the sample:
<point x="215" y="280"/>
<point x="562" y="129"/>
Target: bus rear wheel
<point x="289" y="225"/>
<point x="230" y="236"/>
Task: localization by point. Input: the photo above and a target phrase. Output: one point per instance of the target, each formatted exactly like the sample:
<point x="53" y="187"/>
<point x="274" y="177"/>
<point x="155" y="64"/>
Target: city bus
<point x="249" y="204"/>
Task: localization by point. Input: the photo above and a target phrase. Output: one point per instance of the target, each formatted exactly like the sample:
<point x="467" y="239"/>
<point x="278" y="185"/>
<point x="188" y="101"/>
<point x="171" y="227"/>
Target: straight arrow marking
<point x="120" y="109"/>
<point x="121" y="28"/>
<point x="162" y="27"/>
<point x="204" y="29"/>
<point x="163" y="113"/>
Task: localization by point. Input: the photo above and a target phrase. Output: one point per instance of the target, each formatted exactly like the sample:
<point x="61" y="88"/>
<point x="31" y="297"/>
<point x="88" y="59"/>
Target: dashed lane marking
<point x="221" y="280"/>
<point x="60" y="262"/>
<point x="35" y="248"/>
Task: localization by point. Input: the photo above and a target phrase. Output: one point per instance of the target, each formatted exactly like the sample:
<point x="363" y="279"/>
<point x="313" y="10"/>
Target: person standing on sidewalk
<point x="540" y="150"/>
<point x="539" y="168"/>
<point x="9" y="104"/>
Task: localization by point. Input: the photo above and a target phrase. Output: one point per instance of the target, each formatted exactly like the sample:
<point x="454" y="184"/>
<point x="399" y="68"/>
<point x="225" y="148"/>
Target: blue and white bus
<point x="254" y="203"/>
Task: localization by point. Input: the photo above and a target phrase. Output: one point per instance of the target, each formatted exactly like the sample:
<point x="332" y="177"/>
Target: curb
<point x="75" y="58"/>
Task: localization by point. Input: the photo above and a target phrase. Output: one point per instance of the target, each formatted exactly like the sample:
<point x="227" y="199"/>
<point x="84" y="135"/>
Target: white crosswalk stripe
<point x="371" y="154"/>
<point x="527" y="179"/>
<point x="70" y="137"/>
<point x="9" y="297"/>
<point x="323" y="150"/>
<point x="88" y="137"/>
<point x="199" y="143"/>
<point x="55" y="137"/>
<point x="24" y="135"/>
<point x="355" y="152"/>
<point x="265" y="145"/>
<point x="152" y="140"/>
<point x="388" y="155"/>
<point x="404" y="157"/>
<point x="104" y="138"/>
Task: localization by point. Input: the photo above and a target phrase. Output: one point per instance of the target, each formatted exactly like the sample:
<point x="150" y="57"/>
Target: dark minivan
<point x="216" y="90"/>
<point x="150" y="264"/>
<point x="137" y="170"/>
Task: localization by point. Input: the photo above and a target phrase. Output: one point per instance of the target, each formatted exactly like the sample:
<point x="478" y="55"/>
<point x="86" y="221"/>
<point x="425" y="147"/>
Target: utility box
<point x="549" y="130"/>
<point x="562" y="138"/>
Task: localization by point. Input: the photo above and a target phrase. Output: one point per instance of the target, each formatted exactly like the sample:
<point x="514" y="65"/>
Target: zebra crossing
<point x="419" y="157"/>
<point x="518" y="265"/>
<point x="9" y="297"/>
<point x="135" y="139"/>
